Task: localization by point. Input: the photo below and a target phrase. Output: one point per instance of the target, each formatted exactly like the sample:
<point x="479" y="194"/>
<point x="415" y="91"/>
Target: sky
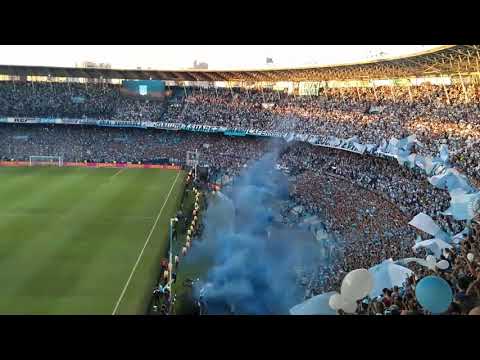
<point x="170" y="57"/>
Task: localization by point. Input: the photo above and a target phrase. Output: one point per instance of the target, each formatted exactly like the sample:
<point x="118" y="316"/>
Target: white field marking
<point x="144" y="246"/>
<point x="117" y="173"/>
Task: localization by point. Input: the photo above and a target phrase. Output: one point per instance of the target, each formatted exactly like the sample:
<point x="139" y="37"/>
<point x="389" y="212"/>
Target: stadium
<point x="346" y="189"/>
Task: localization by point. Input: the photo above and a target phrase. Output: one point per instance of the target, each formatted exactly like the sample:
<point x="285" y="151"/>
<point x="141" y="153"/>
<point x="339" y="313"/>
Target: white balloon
<point x="443" y="264"/>
<point x="470" y="257"/>
<point x="356" y="285"/>
<point x="335" y="301"/>
<point x="349" y="307"/>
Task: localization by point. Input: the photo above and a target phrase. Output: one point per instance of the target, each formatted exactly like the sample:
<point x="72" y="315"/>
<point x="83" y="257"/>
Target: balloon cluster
<point x="433" y="293"/>
<point x="355" y="286"/>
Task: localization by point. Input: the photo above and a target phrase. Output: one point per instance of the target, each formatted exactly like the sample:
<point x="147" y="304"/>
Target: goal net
<point x="46" y="161"/>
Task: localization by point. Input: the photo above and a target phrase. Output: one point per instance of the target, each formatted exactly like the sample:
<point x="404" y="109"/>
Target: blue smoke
<point x="253" y="258"/>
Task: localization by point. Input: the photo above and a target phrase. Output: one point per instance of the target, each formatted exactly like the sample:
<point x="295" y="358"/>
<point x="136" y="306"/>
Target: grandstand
<point x="383" y="153"/>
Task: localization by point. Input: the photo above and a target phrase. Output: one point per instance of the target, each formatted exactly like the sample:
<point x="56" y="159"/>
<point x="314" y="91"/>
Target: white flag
<point x="425" y="223"/>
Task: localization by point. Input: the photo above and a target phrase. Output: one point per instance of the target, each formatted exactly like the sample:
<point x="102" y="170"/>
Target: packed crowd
<point x="73" y="100"/>
<point x="462" y="275"/>
<point x="367" y="228"/>
<point x="367" y="203"/>
<point x="423" y="110"/>
<point x="98" y="144"/>
<point x="408" y="189"/>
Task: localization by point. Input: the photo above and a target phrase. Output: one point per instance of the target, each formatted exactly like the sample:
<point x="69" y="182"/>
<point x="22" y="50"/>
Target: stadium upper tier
<point x="444" y="60"/>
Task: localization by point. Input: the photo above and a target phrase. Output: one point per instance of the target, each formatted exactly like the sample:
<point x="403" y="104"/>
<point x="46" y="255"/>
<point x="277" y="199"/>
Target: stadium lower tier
<point x="367" y="201"/>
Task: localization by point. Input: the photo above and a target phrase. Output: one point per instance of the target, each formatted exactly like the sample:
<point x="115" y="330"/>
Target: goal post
<point x="36" y="160"/>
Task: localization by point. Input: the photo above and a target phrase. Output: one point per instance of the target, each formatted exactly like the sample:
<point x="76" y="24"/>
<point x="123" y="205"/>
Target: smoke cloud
<point x="253" y="259"/>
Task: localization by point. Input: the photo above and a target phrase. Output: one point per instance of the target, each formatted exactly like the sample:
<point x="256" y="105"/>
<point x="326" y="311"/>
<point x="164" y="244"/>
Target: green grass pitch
<point x="70" y="238"/>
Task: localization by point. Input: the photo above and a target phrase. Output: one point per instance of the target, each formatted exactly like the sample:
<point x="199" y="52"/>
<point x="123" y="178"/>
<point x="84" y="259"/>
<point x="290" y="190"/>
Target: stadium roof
<point x="443" y="60"/>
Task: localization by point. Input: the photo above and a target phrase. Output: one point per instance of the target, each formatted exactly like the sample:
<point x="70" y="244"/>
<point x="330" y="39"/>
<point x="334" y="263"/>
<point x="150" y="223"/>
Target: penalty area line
<point x="144" y="247"/>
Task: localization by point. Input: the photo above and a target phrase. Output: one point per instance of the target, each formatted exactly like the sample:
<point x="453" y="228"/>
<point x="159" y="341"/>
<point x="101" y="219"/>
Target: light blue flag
<point x="359" y="147"/>
<point x="444" y="153"/>
<point x="450" y="179"/>
<point x="317" y="305"/>
<point x="371" y="147"/>
<point x="457" y="238"/>
<point x="434" y="245"/>
<point x="429" y="165"/>
<point x="392" y="146"/>
<point x="387" y="275"/>
<point x="289" y="137"/>
<point x="406" y="159"/>
<point x="425" y="223"/>
<point x="463" y="206"/>
<point x="383" y="146"/>
<point x="352" y="140"/>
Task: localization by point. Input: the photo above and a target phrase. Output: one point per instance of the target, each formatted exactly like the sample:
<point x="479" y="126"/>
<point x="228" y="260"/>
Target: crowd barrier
<point x="97" y="165"/>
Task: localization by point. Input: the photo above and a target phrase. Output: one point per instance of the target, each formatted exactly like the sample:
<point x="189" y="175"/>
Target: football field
<point x="83" y="241"/>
